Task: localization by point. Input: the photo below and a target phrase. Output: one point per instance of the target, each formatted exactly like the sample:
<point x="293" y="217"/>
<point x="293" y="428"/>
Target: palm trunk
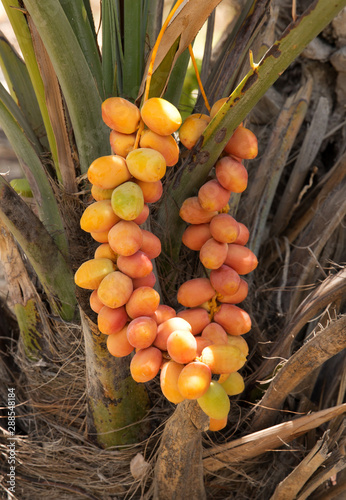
<point x="179" y="467"/>
<point x="116" y="403"/>
<point x="27" y="305"/>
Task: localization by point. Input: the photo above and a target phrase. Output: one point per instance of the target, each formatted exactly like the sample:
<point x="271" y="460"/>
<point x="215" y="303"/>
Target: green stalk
<point x="20" y="118"/>
<point x="75" y="77"/>
<point x="21" y="30"/>
<point x="154" y="23"/>
<point x="176" y="79"/>
<point x="77" y="15"/>
<point x="44" y="256"/>
<point x="250" y="90"/>
<point x="112" y="52"/>
<point x="208" y="47"/>
<point x="133" y="54"/>
<point x="90" y="17"/>
<point x="36" y="175"/>
<point x="21" y="89"/>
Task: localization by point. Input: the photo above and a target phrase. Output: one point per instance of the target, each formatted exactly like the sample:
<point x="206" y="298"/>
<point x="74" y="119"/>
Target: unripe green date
<point x="127" y="201"/>
<point x="215" y="402"/>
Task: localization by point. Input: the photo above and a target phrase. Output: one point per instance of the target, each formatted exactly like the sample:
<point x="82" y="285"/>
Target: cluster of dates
<point x="203" y="339"/>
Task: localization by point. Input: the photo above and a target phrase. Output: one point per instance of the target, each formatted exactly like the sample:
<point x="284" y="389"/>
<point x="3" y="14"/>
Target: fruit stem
<point x="225" y="209"/>
<point x="139" y="133"/>
<point x="201" y="88"/>
<point x="213" y="306"/>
